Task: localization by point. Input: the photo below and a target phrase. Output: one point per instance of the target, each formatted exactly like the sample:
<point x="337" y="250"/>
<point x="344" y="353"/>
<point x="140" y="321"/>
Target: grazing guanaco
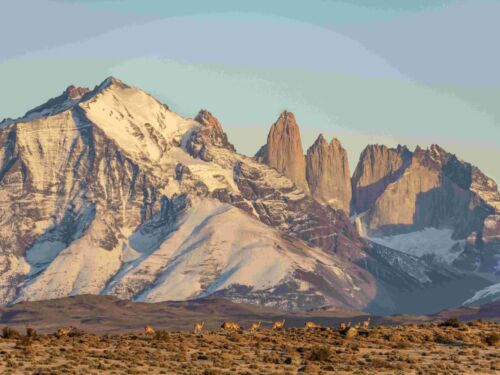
<point x="366" y="323"/>
<point x="279" y="325"/>
<point x="64" y="331"/>
<point x="230" y="326"/>
<point x="148" y="330"/>
<point x="255" y="326"/>
<point x="311" y="325"/>
<point x="198" y="327"/>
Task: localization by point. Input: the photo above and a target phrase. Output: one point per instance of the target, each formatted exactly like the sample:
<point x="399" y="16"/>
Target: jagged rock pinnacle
<point x="284" y="149"/>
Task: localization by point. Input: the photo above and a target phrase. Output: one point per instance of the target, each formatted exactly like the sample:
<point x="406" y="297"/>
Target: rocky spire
<point x="328" y="174"/>
<point x="213" y="130"/>
<point x="209" y="134"/>
<point x="284" y="150"/>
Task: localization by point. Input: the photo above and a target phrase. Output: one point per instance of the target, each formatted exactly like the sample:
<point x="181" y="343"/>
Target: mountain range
<point x="108" y="191"/>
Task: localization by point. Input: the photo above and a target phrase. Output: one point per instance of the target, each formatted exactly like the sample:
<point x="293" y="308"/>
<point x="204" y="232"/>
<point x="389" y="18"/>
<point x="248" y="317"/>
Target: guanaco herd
<point x="232" y="326"/>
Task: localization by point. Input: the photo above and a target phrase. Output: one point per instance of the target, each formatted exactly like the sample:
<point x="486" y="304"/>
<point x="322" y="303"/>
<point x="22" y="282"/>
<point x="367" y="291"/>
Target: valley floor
<point x="446" y="348"/>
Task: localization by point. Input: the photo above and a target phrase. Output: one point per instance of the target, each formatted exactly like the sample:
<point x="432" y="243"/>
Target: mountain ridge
<point x="137" y="200"/>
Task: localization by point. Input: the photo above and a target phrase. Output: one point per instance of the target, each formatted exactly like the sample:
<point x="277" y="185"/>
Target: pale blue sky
<point x="377" y="71"/>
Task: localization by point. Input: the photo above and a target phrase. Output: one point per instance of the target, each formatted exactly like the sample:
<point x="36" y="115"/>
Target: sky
<point x="364" y="71"/>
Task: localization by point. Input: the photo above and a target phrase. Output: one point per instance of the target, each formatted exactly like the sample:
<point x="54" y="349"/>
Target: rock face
<point x="378" y="166"/>
<point x="430" y="189"/>
<point x="328" y="174"/>
<point x="283" y="150"/>
<point x="435" y="190"/>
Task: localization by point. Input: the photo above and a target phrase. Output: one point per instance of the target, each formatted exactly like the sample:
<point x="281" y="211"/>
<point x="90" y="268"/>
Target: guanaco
<point x="198" y="327"/>
<point x="279" y="325"/>
<point x="64" y="331"/>
<point x="148" y="330"/>
<point x="311" y="325"/>
<point x="342" y="326"/>
<point x="255" y="326"/>
<point x="230" y="326"/>
<point x="366" y="323"/>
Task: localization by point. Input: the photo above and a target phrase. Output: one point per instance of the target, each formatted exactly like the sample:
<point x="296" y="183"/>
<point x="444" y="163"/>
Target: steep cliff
<point x="328" y="174"/>
<point x="447" y="207"/>
<point x="435" y="190"/>
<point x="378" y="166"/>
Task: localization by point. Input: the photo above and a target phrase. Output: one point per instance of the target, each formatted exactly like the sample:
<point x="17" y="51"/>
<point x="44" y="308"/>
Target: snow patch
<point x="490" y="293"/>
<point x="81" y="268"/>
<point x="437" y="243"/>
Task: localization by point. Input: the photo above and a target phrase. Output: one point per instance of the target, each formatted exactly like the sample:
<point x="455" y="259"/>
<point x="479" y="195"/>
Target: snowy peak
<point x="109" y="82"/>
<point x="143" y="127"/>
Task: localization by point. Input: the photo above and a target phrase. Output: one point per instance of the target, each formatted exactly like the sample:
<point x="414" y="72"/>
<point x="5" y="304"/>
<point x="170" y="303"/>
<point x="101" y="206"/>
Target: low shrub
<point x="319" y="353"/>
<point x="452" y="322"/>
<point x="10" y="333"/>
<point x="492" y="339"/>
<point x="30" y="332"/>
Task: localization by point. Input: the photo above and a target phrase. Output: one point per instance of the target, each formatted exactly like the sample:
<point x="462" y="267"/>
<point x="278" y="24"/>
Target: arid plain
<point x="108" y="337"/>
<point x="446" y="348"/>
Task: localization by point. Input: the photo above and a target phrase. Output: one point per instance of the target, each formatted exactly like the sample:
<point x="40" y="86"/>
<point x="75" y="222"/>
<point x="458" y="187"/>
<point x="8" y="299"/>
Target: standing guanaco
<point x="255" y="326"/>
<point x="149" y="331"/>
<point x="311" y="325"/>
<point x="230" y="326"/>
<point x="198" y="327"/>
<point x="64" y="331"/>
<point x="279" y="325"/>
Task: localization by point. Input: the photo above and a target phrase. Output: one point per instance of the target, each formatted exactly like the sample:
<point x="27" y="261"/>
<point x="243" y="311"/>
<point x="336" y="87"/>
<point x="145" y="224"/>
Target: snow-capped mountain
<point x="108" y="191"/>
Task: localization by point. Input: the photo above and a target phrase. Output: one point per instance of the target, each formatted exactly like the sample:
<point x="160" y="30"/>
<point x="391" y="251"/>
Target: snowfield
<point x="211" y="247"/>
<point x="486" y="295"/>
<point x="431" y="242"/>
